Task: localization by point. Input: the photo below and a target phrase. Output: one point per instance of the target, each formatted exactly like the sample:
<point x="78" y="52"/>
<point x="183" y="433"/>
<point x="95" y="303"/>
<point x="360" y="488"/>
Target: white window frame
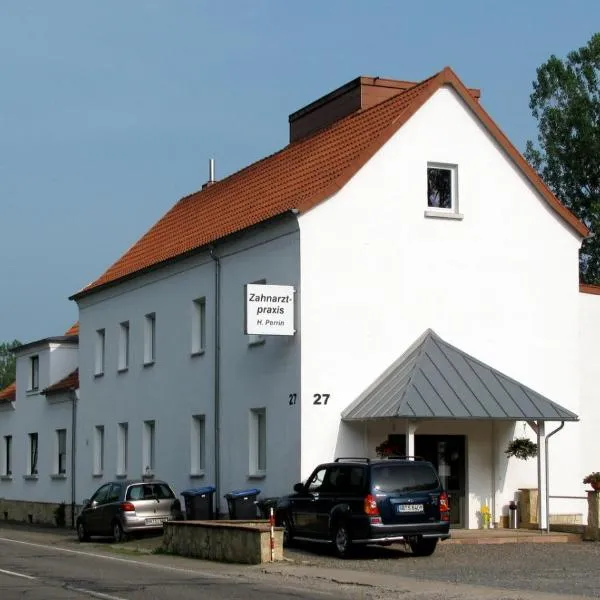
<point x="198" y="446"/>
<point x="33" y="384"/>
<point x="7" y="455"/>
<point x="33" y="458"/>
<point x="58" y="452"/>
<point x="198" y="326"/>
<point x="444" y="213"/>
<point x="122" y="449"/>
<point x="149" y="338"/>
<point x="99" y="446"/>
<point x="258" y="442"/>
<point x="149" y="448"/>
<point x="123" y="359"/>
<point x="256" y="339"/>
<point x="100" y="356"/>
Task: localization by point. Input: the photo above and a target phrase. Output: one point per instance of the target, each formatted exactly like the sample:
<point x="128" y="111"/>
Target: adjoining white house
<point x="431" y="298"/>
<point x="37" y="428"/>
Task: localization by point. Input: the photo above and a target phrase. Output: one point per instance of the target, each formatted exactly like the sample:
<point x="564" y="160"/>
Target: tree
<point x="566" y="103"/>
<point x="7" y="363"/>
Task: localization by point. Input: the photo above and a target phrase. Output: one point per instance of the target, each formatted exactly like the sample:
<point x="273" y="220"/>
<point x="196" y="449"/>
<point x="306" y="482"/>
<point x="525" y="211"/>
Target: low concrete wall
<point x="246" y="542"/>
<point x="592" y="531"/>
<point x="41" y="513"/>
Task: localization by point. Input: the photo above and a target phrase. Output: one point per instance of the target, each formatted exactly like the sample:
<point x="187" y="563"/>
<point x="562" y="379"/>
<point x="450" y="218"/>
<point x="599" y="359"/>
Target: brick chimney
<point x="360" y="93"/>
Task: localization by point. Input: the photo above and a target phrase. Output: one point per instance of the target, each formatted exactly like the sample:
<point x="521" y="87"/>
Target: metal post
<point x="547" y="474"/>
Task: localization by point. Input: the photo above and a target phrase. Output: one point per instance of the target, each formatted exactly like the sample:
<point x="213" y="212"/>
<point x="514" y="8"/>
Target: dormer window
<point x="34" y="373"/>
<point x="442" y="191"/>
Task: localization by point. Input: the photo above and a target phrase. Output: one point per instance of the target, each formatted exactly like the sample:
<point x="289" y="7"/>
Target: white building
<point x="415" y="237"/>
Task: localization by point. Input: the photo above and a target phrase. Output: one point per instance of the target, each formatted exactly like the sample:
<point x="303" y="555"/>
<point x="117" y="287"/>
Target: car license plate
<point x="409" y="508"/>
<point x="157" y="521"/>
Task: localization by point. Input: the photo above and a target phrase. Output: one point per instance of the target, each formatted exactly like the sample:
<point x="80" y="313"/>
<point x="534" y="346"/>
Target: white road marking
<point x="121" y="560"/>
<point x="15" y="574"/>
<point x="94" y="594"/>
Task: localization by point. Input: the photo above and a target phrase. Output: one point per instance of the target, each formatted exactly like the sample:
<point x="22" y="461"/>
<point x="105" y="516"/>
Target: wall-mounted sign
<point x="269" y="309"/>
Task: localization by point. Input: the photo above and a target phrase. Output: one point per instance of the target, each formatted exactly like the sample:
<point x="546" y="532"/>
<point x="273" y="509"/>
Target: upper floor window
<point x="442" y="190"/>
<point x="123" y="346"/>
<point x="199" y="326"/>
<point x="34" y="373"/>
<point x="100" y="352"/>
<point x="149" y="338"/>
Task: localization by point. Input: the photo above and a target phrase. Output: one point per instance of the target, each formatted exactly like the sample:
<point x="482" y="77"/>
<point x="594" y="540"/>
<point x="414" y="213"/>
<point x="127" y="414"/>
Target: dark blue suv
<point x="358" y="501"/>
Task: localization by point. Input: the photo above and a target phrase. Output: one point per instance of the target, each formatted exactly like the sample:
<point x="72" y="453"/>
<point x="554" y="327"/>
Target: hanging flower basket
<point x="387" y="449"/>
<point x="522" y="448"/>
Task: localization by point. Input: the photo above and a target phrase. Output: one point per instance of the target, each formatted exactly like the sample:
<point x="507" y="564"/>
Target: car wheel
<point x="82" y="534"/>
<point x="118" y="533"/>
<point x="288" y="534"/>
<point x="423" y="547"/>
<point x="342" y="542"/>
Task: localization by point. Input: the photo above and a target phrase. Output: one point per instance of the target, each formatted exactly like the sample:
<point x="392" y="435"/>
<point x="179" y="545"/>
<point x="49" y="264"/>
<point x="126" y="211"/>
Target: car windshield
<point x="403" y="478"/>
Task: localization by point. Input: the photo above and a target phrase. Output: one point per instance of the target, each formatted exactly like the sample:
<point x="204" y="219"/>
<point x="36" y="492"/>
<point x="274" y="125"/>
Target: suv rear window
<point x="403" y="478"/>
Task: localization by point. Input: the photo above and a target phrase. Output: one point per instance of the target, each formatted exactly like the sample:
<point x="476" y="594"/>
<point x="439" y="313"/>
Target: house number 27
<point x="320" y="399"/>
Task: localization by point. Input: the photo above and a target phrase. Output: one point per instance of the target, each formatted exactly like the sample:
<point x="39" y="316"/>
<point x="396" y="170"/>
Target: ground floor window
<point x="258" y="441"/>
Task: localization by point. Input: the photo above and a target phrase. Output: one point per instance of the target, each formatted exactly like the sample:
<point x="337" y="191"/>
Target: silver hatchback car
<point x="120" y="508"/>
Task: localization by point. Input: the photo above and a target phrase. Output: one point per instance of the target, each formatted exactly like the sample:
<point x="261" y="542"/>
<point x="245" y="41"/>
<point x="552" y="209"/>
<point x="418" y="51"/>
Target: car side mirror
<point x="299" y="488"/>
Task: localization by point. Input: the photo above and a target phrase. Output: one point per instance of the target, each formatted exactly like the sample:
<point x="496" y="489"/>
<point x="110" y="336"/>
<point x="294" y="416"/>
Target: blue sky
<point x="110" y="110"/>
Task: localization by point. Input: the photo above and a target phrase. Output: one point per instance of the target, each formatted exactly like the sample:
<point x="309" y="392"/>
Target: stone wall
<point x="39" y="513"/>
<point x="592" y="531"/>
<point x="245" y="542"/>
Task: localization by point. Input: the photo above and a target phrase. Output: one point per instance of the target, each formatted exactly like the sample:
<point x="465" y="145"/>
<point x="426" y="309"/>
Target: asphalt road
<point x="34" y="571"/>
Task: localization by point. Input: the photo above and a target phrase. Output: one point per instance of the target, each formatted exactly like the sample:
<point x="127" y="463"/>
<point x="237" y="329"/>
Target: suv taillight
<point x="444" y="507"/>
<point x="127" y="507"/>
<point x="371" y="507"/>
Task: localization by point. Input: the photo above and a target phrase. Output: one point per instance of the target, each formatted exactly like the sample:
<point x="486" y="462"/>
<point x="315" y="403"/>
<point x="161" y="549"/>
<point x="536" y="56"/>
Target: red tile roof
<point x="300" y="176"/>
<point x="9" y="393"/>
<point x="73" y="330"/>
<point x="70" y="382"/>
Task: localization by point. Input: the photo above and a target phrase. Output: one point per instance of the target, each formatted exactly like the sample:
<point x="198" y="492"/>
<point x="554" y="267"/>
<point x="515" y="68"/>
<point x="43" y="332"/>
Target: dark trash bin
<point x="199" y="503"/>
<point x="242" y="504"/>
<point x="265" y="505"/>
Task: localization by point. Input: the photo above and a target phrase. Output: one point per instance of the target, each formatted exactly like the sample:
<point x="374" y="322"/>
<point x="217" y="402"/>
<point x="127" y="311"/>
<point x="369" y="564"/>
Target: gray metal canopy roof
<point x="434" y="380"/>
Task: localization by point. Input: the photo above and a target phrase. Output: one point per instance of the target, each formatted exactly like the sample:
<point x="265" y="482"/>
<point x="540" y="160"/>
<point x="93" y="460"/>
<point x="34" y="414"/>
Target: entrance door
<point x="447" y="453"/>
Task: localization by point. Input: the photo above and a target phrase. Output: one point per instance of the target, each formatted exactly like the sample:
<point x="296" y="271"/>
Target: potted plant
<point x="593" y="479"/>
<point x="387" y="448"/>
<point x="522" y="448"/>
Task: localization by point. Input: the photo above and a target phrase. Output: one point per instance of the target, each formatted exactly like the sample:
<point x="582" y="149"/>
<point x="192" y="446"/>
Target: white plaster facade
<point x="32" y="412"/>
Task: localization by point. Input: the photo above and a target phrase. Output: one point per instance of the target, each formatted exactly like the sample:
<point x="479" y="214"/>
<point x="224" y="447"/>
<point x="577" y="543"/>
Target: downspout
<point x="493" y="499"/>
<point x="547" y="475"/>
<point x="73" y="394"/>
<point x="217" y="376"/>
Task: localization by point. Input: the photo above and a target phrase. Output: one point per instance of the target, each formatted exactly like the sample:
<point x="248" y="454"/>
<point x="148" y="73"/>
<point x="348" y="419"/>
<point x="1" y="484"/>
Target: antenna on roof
<point x="211" y="173"/>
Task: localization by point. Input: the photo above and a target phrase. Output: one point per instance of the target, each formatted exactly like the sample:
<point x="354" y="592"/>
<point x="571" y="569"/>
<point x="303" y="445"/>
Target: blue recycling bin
<point x="242" y="504"/>
<point x="199" y="503"/>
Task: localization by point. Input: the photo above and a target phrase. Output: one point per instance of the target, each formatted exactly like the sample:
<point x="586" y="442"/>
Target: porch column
<point x="411" y="427"/>
<point x="540" y="429"/>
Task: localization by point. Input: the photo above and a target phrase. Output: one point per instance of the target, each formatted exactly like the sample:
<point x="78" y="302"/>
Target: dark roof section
<point x="60" y="339"/>
<point x="299" y="177"/>
<point x="66" y="384"/>
<point x="434" y="380"/>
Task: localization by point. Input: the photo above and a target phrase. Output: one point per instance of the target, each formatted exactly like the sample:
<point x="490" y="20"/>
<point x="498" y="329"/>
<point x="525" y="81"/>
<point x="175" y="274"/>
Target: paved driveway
<point x="563" y="568"/>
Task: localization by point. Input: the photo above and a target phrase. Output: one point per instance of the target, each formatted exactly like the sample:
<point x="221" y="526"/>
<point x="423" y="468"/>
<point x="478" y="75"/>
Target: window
<point x="115" y="493"/>
<point x="442" y="190"/>
<point x="253" y="338"/>
<point x="123" y="364"/>
<point x="198" y="445"/>
<point x="101" y="495"/>
<point x="149" y="338"/>
<point x="199" y="326"/>
<point x="34" y="373"/>
<point x="61" y="454"/>
<point x="98" y="450"/>
<point x="33" y="454"/>
<point x="7" y="462"/>
<point x="149" y="447"/>
<point x="122" y="448"/>
<point x="100" y="350"/>
<point x="258" y="441"/>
